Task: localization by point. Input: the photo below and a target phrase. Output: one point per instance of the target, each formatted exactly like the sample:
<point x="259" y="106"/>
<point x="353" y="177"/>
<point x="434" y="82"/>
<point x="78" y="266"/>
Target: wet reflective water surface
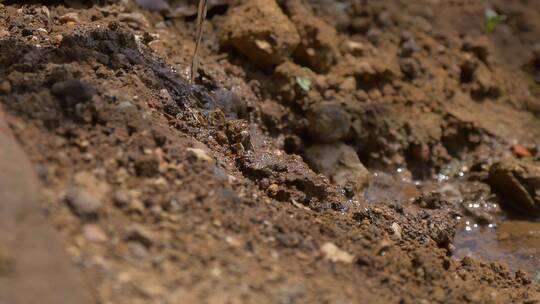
<point x="515" y="243"/>
<point x="486" y="233"/>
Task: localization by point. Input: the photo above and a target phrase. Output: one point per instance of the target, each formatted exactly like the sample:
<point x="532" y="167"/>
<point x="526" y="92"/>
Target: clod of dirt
<point x="485" y="85"/>
<point x="332" y="253"/>
<point x="410" y="67"/>
<point x="5" y="87"/>
<point x="409" y="47"/>
<point x="518" y="183"/>
<point x="328" y="122"/>
<point x="83" y="203"/>
<point x="293" y="179"/>
<point x="479" y="46"/>
<point x="135" y="20"/>
<point x="398" y="231"/>
<point x="374" y="36"/>
<point x="360" y="24"/>
<point x="147" y="165"/>
<point x="121" y="197"/>
<point x="69" y="17"/>
<point x="94" y="233"/>
<point x="238" y="134"/>
<point x="232" y="106"/>
<point x="521" y="151"/>
<point x="142" y="235"/>
<point x="285" y="84"/>
<point x="260" y="30"/>
<point x="200" y="154"/>
<point x="319" y="40"/>
<point x="90" y="183"/>
<point x="72" y="91"/>
<point x="479" y="78"/>
<point x="4" y="34"/>
<point x="371" y="74"/>
<point x="340" y="163"/>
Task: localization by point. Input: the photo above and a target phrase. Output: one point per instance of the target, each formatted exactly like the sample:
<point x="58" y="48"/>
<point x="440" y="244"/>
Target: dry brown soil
<point x="360" y="151"/>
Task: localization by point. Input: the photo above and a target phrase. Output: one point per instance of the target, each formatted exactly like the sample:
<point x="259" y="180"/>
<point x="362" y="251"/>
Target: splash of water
<point x="201" y="16"/>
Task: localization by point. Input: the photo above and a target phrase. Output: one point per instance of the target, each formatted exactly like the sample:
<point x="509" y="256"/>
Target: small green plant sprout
<point x="303" y="83"/>
<point x="493" y="19"/>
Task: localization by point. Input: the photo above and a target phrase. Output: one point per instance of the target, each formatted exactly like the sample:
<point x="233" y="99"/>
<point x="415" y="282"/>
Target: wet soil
<point x="328" y="152"/>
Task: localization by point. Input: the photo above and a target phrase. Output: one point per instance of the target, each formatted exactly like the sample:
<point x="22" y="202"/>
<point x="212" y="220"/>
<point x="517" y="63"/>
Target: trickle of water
<point x="201" y="16"/>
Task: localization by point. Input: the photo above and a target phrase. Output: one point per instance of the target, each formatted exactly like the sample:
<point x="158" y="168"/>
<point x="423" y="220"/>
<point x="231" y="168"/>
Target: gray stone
<point x="328" y="122"/>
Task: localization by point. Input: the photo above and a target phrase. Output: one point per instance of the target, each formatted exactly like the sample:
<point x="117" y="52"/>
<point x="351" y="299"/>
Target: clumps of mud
<point x="325" y="143"/>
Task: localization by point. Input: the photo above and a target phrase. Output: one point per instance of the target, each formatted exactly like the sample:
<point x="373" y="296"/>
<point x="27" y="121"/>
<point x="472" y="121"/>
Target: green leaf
<point x="493" y="19"/>
<point x="303" y="83"/>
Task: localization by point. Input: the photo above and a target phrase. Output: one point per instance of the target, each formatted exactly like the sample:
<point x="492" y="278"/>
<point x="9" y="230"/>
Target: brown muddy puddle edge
<point x="504" y="238"/>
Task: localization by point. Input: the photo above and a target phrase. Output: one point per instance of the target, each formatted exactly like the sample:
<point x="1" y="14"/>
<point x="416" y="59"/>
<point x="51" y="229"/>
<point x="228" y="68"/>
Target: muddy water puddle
<point x="397" y="187"/>
<point x="485" y="232"/>
<point x="515" y="243"/>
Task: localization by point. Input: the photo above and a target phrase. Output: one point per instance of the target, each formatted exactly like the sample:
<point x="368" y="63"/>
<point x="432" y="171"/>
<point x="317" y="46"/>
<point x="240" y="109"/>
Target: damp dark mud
<point x="328" y="151"/>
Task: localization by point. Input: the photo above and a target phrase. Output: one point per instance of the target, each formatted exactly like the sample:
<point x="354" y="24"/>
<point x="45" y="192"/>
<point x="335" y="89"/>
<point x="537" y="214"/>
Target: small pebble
<point x="137" y="19"/>
<point x="273" y="189"/>
<point x="332" y="253"/>
<point x="4" y="34"/>
<point x="58" y="38"/>
<point x="397" y="230"/>
<point x="521" y="151"/>
<point x="94" y="233"/>
<point x="136" y="205"/>
<point x="72" y="92"/>
<point x="5" y="87"/>
<point x="121" y="198"/>
<point x="200" y="154"/>
<point x="147" y="165"/>
<point x="408" y="47"/>
<point x="142" y="235"/>
<point x="70" y="17"/>
<point x="83" y="203"/>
